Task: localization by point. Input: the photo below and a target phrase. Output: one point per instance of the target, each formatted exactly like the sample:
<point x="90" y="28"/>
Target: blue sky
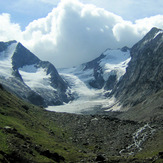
<point x="23" y="12"/>
<point x="78" y="29"/>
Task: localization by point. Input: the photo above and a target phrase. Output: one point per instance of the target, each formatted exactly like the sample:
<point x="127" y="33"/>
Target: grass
<point x="31" y="132"/>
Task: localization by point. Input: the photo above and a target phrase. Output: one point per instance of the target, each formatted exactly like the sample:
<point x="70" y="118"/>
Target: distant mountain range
<point x="129" y="76"/>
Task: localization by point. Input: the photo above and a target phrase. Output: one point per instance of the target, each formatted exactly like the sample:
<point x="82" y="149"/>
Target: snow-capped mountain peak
<point x="114" y="63"/>
<point x="27" y="76"/>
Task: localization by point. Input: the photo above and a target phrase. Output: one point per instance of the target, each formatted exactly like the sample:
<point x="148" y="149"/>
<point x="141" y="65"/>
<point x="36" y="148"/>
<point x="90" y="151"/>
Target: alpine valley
<point x="107" y="110"/>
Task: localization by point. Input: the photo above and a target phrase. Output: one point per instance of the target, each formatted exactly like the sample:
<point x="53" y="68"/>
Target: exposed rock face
<point x="30" y="78"/>
<point x="144" y="74"/>
<point x="22" y="57"/>
<point x="98" y="81"/>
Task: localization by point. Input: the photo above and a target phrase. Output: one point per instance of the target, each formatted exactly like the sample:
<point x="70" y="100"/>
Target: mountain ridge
<point x="32" y="134"/>
<point x="20" y="67"/>
<point x="146" y="64"/>
<point x="139" y="93"/>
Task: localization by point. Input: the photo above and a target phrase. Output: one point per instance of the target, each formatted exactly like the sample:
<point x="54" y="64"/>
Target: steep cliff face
<point x="30" y="78"/>
<point x="144" y="74"/>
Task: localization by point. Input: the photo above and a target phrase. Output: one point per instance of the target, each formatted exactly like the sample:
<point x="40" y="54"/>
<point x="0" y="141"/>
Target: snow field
<point x="35" y="77"/>
<point x="6" y="61"/>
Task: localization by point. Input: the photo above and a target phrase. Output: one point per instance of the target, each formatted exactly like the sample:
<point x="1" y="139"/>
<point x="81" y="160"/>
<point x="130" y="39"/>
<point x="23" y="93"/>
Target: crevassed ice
<point x="88" y="99"/>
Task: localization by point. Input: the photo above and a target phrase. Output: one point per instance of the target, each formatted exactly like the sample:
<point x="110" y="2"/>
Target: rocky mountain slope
<point x="141" y="86"/>
<point x="30" y="78"/>
<point x="130" y="83"/>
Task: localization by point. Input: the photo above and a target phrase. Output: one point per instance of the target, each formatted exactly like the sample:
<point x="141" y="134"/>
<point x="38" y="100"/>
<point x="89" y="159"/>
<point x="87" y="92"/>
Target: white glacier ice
<point x="87" y="98"/>
<point x="6" y="61"/>
<point x="35" y="77"/>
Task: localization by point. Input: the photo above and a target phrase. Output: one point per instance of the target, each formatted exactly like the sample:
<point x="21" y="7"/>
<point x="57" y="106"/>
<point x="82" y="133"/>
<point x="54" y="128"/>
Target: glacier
<point x="36" y="77"/>
<point x="87" y="98"/>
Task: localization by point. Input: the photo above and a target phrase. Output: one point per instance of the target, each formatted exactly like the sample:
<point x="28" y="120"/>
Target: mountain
<point x="130" y="78"/>
<point x="108" y="68"/>
<point x="141" y="86"/>
<point x="133" y="134"/>
<point x="90" y="82"/>
<point x="104" y="71"/>
<point x="30" y="78"/>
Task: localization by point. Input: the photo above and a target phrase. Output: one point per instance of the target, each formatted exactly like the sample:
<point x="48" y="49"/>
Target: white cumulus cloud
<point x="8" y="30"/>
<point x="74" y="33"/>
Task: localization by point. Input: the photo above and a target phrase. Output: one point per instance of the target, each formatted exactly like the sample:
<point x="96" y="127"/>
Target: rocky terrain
<point x="31" y="134"/>
<point x="144" y="73"/>
<point x="140" y="89"/>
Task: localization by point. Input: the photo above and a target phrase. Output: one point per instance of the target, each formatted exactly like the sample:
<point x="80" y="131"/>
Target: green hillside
<point x="31" y="134"/>
<point x="27" y="134"/>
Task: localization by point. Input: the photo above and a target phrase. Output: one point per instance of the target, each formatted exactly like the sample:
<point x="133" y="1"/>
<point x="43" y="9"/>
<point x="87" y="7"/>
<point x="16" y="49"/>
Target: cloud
<point x="74" y="33"/>
<point x="130" y="9"/>
<point x="8" y="30"/>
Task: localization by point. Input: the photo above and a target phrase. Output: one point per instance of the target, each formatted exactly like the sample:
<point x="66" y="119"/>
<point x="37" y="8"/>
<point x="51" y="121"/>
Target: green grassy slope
<point x="27" y="135"/>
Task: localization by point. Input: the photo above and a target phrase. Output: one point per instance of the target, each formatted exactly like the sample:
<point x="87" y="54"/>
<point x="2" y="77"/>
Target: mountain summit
<point x="144" y="74"/>
<point x="141" y="87"/>
<point x="30" y="78"/>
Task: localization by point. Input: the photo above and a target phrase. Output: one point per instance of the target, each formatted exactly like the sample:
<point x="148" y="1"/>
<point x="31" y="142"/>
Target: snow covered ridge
<point x="110" y="63"/>
<point x="108" y="69"/>
<point x="30" y="78"/>
<point x="39" y="82"/>
<point x="114" y="63"/>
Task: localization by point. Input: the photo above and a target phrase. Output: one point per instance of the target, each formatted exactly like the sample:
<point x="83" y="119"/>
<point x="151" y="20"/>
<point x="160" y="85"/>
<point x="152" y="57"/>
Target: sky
<point x="70" y="32"/>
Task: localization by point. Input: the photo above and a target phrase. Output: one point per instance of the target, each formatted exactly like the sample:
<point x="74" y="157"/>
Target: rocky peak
<point x="23" y="57"/>
<point x="125" y="49"/>
<point x="144" y="75"/>
<point x="31" y="78"/>
<point x="149" y="41"/>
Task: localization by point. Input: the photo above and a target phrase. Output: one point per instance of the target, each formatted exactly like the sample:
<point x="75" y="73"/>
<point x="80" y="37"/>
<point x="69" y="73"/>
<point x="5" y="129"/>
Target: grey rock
<point x="144" y="74"/>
